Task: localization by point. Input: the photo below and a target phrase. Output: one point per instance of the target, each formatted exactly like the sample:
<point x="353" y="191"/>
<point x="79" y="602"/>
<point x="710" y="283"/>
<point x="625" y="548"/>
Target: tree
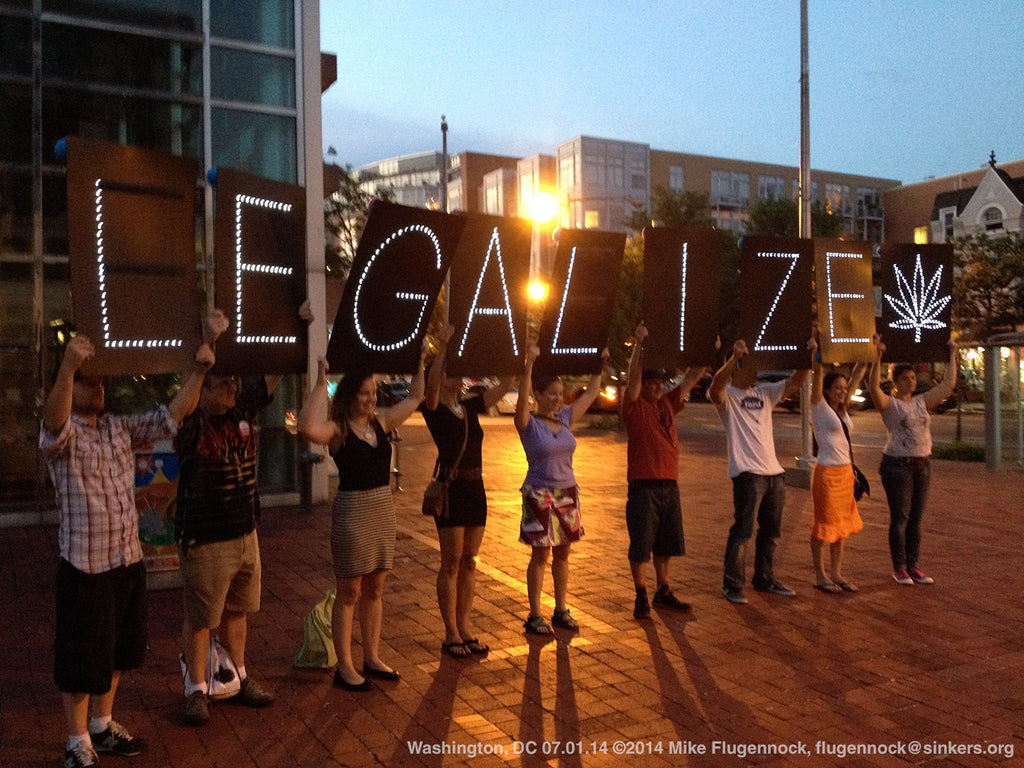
<point x="672" y="209"/>
<point x="344" y="218"/>
<point x="781" y="217"/>
<point x="988" y="284"/>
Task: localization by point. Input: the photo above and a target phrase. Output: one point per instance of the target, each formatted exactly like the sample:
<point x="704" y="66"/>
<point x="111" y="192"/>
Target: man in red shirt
<point x="653" y="515"/>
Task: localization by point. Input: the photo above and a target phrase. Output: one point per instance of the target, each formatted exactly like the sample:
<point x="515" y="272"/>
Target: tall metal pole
<point x="444" y="165"/>
<point x="806" y="459"/>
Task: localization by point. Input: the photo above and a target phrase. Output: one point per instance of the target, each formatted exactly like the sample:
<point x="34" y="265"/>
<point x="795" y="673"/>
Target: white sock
<point x="99" y="724"/>
<point x="79" y="739"/>
<point x="241" y="673"/>
<point x="190" y="689"/>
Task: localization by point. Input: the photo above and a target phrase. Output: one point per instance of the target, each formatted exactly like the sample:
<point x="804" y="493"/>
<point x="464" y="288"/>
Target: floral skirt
<point x="835" y="510"/>
<point x="551" y="516"/>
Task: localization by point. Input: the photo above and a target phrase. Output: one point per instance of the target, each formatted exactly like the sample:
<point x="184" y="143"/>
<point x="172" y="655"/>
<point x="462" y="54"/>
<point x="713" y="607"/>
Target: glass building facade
<point x="220" y="81"/>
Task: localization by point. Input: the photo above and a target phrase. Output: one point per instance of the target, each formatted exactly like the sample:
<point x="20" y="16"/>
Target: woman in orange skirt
<point x="835" y="509"/>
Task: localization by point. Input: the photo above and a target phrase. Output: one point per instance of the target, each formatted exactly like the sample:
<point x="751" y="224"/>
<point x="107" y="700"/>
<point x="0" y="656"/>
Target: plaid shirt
<point x="93" y="471"/>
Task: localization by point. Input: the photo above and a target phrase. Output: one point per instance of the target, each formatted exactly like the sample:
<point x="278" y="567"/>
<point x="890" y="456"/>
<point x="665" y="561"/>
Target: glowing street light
<point x="543" y="207"/>
<point x="538" y="290"/>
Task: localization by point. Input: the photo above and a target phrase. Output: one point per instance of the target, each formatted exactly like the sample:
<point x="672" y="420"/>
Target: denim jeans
<point x="762" y="496"/>
<point x="906" y="489"/>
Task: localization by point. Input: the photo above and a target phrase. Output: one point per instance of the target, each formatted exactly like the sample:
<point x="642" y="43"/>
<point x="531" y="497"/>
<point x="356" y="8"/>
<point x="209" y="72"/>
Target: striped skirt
<point x="363" y="531"/>
<point x="835" y="510"/>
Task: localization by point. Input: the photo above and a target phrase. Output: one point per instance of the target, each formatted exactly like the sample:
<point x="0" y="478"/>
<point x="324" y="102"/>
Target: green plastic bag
<point x="317" y="651"/>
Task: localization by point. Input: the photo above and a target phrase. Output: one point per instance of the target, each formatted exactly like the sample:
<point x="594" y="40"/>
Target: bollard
<point x="306" y="461"/>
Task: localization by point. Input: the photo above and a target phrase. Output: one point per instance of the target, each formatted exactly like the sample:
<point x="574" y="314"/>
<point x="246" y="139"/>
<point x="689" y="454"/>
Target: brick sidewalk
<point x="933" y="664"/>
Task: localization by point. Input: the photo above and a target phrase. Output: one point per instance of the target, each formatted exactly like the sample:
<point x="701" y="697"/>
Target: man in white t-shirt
<point x="758" y="480"/>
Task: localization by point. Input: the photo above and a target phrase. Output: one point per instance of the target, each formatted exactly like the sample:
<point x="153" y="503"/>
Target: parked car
<point x="506" y="406"/>
<point x="391" y="392"/>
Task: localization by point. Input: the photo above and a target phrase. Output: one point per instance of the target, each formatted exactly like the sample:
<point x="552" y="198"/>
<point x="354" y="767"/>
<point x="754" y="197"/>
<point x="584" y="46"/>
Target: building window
<point x="992" y="218"/>
<point x="920" y="235"/>
<point x="591" y="220"/>
<point x="675" y="178"/>
<point x="771" y="187"/>
<point x="730" y="188"/>
<point x="837" y="198"/>
<point x="255" y="78"/>
<point x="947" y="217"/>
<point x="264" y="22"/>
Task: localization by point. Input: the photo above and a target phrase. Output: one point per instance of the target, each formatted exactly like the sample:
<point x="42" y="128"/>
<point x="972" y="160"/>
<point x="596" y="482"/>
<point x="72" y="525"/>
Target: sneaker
<point x="251" y="694"/>
<point x="641" y="608"/>
<point x="902" y="577"/>
<point x="117" y="741"/>
<point x="776" y="588"/>
<point x="81" y="756"/>
<point x="734" y="596"/>
<point x="668" y="600"/>
<point x="197" y="708"/>
<point x="919" y="576"/>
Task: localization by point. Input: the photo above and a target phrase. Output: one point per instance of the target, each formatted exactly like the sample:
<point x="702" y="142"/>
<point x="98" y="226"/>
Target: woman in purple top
<point x="551" y="509"/>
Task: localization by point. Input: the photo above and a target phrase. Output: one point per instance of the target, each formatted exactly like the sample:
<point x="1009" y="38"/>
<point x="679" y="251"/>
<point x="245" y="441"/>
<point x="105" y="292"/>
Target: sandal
<point x="563" y="620"/>
<point x="846" y="586"/>
<point x="457" y="650"/>
<point x="828" y="586"/>
<point x="535" y="625"/>
<point x="475" y="646"/>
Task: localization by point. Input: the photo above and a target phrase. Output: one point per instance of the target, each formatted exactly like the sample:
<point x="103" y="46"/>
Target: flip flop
<point x="845" y="586"/>
<point x="828" y="586"/>
<point x="535" y="625"/>
<point x="475" y="646"/>
<point x="452" y="649"/>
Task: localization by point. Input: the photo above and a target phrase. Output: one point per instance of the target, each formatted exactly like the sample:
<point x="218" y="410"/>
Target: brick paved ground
<point x="934" y="664"/>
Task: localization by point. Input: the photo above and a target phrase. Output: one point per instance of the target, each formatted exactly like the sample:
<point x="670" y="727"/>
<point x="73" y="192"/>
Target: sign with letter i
<point x="131" y="232"/>
<point x="846" y="300"/>
<point x="488" y="299"/>
<point x="775" y="300"/>
<point x="396" y="275"/>
<point x="260" y="247"/>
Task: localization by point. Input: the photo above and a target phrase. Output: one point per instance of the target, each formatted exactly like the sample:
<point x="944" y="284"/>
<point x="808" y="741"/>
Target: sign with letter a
<point x="846" y="300"/>
<point x="131" y="231"/>
<point x="488" y="300"/>
<point x="391" y="290"/>
<point x="775" y="300"/>
<point x="578" y="315"/>
<point x="917" y="292"/>
<point x="682" y="275"/>
<point x="260" y="274"/>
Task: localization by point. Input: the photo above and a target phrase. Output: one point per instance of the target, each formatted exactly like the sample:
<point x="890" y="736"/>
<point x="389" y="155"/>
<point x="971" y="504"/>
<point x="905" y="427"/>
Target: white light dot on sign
<point x="494" y="246"/>
<point x="242" y="266"/>
<point x="555" y="349"/>
<point x="412" y="229"/>
<point x="918" y="305"/>
<point x="101" y="277"/>
<point x="758" y="346"/>
<point x="829" y="255"/>
<point x="682" y="300"/>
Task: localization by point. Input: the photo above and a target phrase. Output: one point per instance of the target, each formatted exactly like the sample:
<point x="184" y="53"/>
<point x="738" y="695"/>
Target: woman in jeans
<point x="906" y="464"/>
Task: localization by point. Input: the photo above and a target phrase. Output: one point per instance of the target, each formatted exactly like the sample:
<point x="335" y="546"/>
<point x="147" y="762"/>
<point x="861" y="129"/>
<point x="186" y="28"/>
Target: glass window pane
<point x="252" y="77"/>
<point x="267" y="22"/>
<point x="15" y="46"/>
<point x="183" y="15"/>
<point x="263" y="145"/>
<point x="159" y="125"/>
<point x="16" y="123"/>
<point x="110" y="58"/>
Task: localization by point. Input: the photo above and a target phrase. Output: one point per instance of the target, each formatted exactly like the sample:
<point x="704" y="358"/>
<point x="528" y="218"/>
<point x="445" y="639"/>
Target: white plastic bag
<point x="221" y="673"/>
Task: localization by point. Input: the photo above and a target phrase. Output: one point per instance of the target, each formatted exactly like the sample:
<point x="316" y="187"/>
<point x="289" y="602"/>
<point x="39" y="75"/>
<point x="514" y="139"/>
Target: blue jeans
<point x="906" y="483"/>
<point x="763" y="496"/>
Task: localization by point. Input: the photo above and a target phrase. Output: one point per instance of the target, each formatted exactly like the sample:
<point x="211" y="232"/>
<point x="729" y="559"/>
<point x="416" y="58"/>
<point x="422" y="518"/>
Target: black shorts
<point x="101" y="626"/>
<point x="654" y="520"/>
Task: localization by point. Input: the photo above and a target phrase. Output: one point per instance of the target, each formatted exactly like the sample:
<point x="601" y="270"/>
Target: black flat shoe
<point x="380" y="674"/>
<point x="344" y="684"/>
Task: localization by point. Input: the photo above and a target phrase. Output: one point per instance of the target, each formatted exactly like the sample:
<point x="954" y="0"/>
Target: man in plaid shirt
<point x="101" y="580"/>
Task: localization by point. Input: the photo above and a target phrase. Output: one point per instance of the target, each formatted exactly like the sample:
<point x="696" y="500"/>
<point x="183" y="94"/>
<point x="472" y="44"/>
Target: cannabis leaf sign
<point x="917" y="291"/>
<point x="918" y="305"/>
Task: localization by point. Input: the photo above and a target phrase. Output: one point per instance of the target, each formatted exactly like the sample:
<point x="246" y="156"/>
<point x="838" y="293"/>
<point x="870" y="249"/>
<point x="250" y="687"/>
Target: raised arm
<point x="856" y="377"/>
<point x="436" y="377"/>
<point x="582" y="403"/>
<point x="944" y="388"/>
<point x="187" y="398"/>
<point x="522" y="415"/>
<point x="817" y="372"/>
<point x="493" y="394"/>
<point x="57" y="408"/>
<point x="716" y="390"/>
<point x="392" y="418"/>
<point x="878" y="397"/>
<point x="306" y="315"/>
<point x="691" y="376"/>
<point x="319" y="432"/>
<point x="634" y="375"/>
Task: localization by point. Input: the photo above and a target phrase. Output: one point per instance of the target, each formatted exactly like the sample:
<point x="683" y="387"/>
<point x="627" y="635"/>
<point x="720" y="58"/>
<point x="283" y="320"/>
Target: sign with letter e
<point x="391" y="290"/>
<point x="488" y="301"/>
<point x="682" y="274"/>
<point x="775" y="300"/>
<point x="578" y="315"/>
<point x="917" y="292"/>
<point x="131" y="232"/>
<point x="846" y="300"/>
<point x="260" y="248"/>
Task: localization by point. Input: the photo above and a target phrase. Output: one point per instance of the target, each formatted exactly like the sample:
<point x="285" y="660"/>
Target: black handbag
<point x="861" y="486"/>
